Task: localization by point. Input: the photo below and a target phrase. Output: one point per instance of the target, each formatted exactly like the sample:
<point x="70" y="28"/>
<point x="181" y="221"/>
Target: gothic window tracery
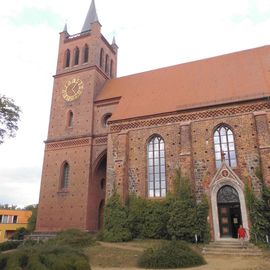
<point x="227" y="194"/>
<point x="156" y="167"/>
<point x="224" y="146"/>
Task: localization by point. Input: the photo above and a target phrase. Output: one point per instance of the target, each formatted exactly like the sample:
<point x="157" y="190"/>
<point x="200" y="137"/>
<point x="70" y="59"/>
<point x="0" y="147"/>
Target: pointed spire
<point x="114" y="45"/>
<point x="90" y="18"/>
<point x="65" y="28"/>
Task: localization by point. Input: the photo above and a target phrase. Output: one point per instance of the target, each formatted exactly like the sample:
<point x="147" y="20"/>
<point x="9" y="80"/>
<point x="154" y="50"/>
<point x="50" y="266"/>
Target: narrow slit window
<point x="111" y="69"/>
<point x="107" y="64"/>
<point x="65" y="175"/>
<point x="67" y="58"/>
<point x="70" y="119"/>
<point x="86" y="53"/>
<point x="101" y="58"/>
<point x="77" y="56"/>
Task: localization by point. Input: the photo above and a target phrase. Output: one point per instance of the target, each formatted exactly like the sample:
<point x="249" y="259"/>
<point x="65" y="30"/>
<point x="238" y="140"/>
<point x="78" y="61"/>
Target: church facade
<point x="209" y="118"/>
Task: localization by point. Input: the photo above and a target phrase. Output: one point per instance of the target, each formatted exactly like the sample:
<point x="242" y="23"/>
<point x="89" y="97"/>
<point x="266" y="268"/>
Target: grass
<point x="112" y="257"/>
<point x="102" y="256"/>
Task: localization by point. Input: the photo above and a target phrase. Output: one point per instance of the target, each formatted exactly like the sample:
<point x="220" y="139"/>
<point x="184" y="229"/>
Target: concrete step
<point x="238" y="253"/>
<point x="231" y="248"/>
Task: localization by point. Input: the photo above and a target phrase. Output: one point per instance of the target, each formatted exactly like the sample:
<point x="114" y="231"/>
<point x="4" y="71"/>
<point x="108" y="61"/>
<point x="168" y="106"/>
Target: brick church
<point x="210" y="118"/>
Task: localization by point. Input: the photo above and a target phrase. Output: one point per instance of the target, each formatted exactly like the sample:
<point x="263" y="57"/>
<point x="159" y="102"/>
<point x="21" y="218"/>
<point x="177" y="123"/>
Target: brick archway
<point x="97" y="192"/>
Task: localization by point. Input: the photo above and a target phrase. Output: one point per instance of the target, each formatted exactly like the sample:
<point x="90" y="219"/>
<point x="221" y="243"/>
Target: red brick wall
<point x="77" y="206"/>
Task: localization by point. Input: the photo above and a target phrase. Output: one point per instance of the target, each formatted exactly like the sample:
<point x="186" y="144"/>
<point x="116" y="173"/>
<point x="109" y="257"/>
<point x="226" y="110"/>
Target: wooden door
<point x="224" y="221"/>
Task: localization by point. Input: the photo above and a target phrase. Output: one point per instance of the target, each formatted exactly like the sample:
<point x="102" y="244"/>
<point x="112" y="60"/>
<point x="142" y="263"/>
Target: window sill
<point x="63" y="191"/>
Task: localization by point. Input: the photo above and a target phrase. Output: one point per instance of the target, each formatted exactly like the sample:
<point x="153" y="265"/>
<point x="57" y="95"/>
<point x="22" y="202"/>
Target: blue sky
<point x="150" y="34"/>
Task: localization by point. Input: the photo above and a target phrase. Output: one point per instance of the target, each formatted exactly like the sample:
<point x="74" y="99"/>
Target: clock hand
<point x="74" y="87"/>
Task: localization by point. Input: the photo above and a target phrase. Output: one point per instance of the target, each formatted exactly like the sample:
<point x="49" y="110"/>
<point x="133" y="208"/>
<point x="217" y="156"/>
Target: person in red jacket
<point x="241" y="235"/>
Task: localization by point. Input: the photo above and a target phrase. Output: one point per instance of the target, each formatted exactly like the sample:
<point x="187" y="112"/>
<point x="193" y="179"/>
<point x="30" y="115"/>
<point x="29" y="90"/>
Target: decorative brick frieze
<point x="191" y="116"/>
<point x="67" y="144"/>
<point x="101" y="140"/>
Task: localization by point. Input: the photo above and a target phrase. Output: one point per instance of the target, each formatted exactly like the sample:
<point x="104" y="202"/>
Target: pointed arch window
<point x="65" y="175"/>
<point x="156" y="167"/>
<point x="67" y="58"/>
<point x="70" y="119"/>
<point x="107" y="64"/>
<point x="224" y="146"/>
<point x="76" y="56"/>
<point x="111" y="69"/>
<point x="86" y="53"/>
<point x="101" y="57"/>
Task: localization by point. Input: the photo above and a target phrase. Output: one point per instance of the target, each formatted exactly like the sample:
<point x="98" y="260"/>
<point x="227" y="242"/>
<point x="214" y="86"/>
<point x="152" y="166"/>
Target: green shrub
<point x="155" y="214"/>
<point x="173" y="254"/>
<point x="74" y="238"/>
<point x="9" y="245"/>
<point x="202" y="225"/>
<point x="13" y="262"/>
<point x="3" y="261"/>
<point x="257" y="208"/>
<point x="182" y="211"/>
<point x="46" y="256"/>
<point x="136" y="215"/>
<point x="115" y="220"/>
<point x="81" y="265"/>
<point x="19" y="234"/>
<point x="57" y="257"/>
<point x="30" y="243"/>
<point x="35" y="264"/>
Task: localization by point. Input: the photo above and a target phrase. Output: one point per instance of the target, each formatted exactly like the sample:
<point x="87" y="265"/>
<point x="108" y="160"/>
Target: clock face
<point x="73" y="89"/>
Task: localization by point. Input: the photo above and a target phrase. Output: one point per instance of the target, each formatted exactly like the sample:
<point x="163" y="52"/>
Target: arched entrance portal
<point x="229" y="211"/>
<point x="227" y="203"/>
<point x="100" y="179"/>
<point x="97" y="192"/>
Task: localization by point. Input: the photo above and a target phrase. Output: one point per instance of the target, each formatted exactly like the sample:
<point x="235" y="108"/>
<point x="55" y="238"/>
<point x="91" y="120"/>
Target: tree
<point x="182" y="212"/>
<point x="32" y="220"/>
<point x="8" y="207"/>
<point x="116" y="227"/>
<point x="9" y="117"/>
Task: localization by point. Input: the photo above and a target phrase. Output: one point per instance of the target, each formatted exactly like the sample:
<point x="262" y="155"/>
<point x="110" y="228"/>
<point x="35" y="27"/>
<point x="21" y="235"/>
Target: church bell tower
<point x="85" y="62"/>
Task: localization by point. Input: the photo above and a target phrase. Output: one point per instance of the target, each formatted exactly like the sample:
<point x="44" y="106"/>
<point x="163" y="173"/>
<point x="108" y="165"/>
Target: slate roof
<point x="91" y="17"/>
